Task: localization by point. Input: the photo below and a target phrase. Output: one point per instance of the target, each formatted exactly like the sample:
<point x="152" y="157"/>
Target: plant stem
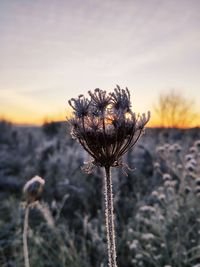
<point x="25" y="233"/>
<point x="110" y="228"/>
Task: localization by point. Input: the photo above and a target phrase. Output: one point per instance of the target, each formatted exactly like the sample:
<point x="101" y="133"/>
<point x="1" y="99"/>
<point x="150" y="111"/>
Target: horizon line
<point x="49" y="120"/>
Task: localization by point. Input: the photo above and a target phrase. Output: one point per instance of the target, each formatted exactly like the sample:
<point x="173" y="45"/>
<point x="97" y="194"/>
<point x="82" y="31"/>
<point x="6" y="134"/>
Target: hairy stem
<point x="25" y="233"/>
<point x="110" y="228"/>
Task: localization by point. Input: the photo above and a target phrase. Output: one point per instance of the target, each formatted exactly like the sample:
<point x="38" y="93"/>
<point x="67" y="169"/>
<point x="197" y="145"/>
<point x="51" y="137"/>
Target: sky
<point x="53" y="50"/>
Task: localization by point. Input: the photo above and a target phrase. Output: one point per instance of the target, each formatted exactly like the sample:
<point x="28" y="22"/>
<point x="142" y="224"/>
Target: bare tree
<point x="174" y="110"/>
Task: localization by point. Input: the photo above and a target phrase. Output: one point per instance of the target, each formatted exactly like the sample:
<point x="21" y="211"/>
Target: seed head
<point x="121" y="99"/>
<point x="33" y="189"/>
<point x="166" y="177"/>
<point x="99" y="100"/>
<point x="80" y="106"/>
<point x="105" y="125"/>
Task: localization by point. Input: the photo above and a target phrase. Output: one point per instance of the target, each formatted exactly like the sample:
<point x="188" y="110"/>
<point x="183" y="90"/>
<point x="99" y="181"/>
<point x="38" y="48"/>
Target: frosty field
<point x="157" y="211"/>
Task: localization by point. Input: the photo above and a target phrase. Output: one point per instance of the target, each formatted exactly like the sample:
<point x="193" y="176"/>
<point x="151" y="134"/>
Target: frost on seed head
<point x="33" y="189"/>
<point x="168" y="183"/>
<point x="156" y="165"/>
<point x="193" y="150"/>
<point x="155" y="194"/>
<point x="190" y="167"/>
<point x="161" y="197"/>
<point x="188" y="157"/>
<point x="166" y="177"/>
<point x="80" y="106"/>
<point x="105" y="125"/>
<point x="177" y="148"/>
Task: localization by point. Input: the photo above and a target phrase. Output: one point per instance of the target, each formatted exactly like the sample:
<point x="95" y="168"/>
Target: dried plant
<point x="106" y="127"/>
<point x="166" y="229"/>
<point x="32" y="190"/>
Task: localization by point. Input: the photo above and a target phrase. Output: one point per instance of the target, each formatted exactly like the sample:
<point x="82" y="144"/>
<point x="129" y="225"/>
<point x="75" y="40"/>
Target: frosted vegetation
<point x="156" y="205"/>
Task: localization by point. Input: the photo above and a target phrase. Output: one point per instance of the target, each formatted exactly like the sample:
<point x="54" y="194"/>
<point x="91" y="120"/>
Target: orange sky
<point x="39" y="119"/>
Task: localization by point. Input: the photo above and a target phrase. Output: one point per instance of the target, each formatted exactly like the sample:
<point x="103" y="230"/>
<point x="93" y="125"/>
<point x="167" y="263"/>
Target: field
<point x="157" y="211"/>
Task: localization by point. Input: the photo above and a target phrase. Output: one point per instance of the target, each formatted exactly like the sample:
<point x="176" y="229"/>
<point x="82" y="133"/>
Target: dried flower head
<point x="166" y="176"/>
<point x="99" y="100"/>
<point x="33" y="189"/>
<point x="80" y="106"/>
<point x="177" y="148"/>
<point x="121" y="99"/>
<point x="105" y="125"/>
